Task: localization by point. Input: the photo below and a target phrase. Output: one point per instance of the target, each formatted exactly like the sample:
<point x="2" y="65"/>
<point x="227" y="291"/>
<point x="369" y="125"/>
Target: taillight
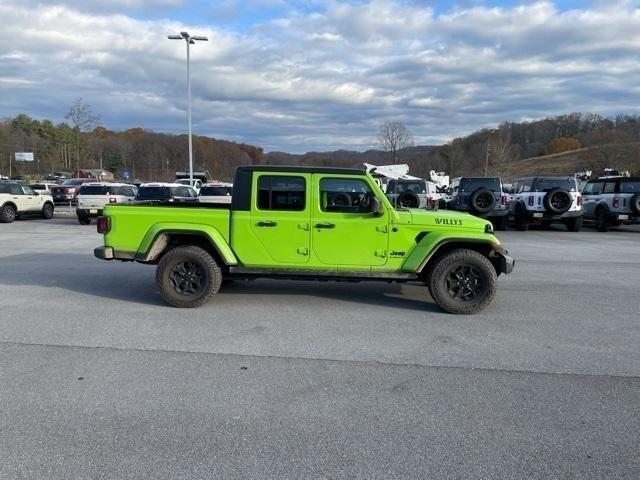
<point x="503" y="199"/>
<point x="113" y="199"/>
<point x="103" y="224"/>
<point x="531" y="200"/>
<point x="579" y="200"/>
<point x="429" y="202"/>
<point x="616" y="202"/>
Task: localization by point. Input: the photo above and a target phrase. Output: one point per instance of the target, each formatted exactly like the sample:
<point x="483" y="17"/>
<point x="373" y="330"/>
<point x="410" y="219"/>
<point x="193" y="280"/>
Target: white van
<point x="94" y="196"/>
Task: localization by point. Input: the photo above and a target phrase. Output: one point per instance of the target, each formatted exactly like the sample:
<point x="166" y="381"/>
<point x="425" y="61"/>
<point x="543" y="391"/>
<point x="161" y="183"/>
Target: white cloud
<point x="324" y="79"/>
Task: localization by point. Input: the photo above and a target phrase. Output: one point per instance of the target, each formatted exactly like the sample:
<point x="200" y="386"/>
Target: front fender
<point x="209" y="232"/>
<point x="431" y="242"/>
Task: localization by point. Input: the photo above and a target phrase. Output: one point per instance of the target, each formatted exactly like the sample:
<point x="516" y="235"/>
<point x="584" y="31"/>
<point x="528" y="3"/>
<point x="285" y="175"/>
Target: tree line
<point x="81" y="142"/>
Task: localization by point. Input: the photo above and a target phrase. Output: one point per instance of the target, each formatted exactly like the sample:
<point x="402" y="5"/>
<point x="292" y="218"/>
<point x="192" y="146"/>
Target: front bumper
<point x="502" y="261"/>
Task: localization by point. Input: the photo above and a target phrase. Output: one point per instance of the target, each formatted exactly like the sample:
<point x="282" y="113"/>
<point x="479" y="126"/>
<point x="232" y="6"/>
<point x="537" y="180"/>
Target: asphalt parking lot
<point x="100" y="379"/>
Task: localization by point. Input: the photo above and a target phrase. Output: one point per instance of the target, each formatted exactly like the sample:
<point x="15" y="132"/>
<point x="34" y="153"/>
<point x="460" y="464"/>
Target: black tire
<point x="499" y="224"/>
<point x="84" y="220"/>
<point x="409" y="199"/>
<point x="521" y="220"/>
<point x="47" y="211"/>
<point x="462" y="282"/>
<point x="602" y="223"/>
<point x="7" y="214"/>
<point x="482" y="201"/>
<point x="634" y="203"/>
<point x="188" y="277"/>
<point x="557" y="201"/>
<point x="574" y="224"/>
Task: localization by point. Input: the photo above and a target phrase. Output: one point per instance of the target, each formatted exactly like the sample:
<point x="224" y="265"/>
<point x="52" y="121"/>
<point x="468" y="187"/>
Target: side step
<point x="309" y="274"/>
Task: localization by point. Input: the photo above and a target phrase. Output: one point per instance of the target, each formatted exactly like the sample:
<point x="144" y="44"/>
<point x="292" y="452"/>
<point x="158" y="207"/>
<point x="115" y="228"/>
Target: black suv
<point x="482" y="197"/>
<point x="612" y="201"/>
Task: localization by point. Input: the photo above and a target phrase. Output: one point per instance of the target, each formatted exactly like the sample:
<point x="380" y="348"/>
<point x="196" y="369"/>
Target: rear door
<point x="345" y="232"/>
<point x="30" y="199"/>
<point x="280" y="215"/>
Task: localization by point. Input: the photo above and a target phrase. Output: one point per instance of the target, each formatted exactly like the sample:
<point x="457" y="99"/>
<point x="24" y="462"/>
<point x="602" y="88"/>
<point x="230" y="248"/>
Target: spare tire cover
<point x="408" y="199"/>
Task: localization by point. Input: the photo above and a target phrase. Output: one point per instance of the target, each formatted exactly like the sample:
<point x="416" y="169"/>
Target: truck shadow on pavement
<point x="135" y="283"/>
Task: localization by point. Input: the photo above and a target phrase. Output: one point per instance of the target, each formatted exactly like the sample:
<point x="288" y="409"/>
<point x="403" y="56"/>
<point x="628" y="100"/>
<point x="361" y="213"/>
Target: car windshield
<point x="472" y="184"/>
<point x="216" y="191"/>
<point x="629" y="186"/>
<point x="546" y="184"/>
<point x="94" y="190"/>
<point x="152" y="193"/>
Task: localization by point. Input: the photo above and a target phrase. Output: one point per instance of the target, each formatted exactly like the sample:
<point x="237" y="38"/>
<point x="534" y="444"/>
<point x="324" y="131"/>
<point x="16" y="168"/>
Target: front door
<point x="344" y="230"/>
<point x="280" y="218"/>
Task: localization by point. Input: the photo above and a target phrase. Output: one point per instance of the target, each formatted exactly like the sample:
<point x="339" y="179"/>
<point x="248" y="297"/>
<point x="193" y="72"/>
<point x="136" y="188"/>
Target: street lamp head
<point x="174" y="37"/>
<point x="184" y="35"/>
<point x="191" y="41"/>
<point x="201" y="39"/>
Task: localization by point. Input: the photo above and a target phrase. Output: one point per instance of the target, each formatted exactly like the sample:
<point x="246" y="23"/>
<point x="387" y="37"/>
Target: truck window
<point x="609" y="187"/>
<point x="629" y="186"/>
<point x="281" y="193"/>
<point x="469" y="184"/>
<point x="345" y="195"/>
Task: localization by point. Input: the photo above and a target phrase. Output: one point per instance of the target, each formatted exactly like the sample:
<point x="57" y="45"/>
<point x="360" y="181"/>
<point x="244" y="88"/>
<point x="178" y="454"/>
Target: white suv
<point x="94" y="196"/>
<point x="218" y="192"/>
<point x="545" y="200"/>
<point x="18" y="199"/>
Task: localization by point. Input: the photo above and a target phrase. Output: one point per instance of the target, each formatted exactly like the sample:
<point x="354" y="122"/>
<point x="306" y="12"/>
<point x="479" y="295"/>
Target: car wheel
<point x="482" y="201"/>
<point x="409" y="199"/>
<point x="500" y="224"/>
<point x="7" y="214"/>
<point x="47" y="211"/>
<point x="602" y="224"/>
<point x="574" y="224"/>
<point x="188" y="277"/>
<point x="462" y="282"/>
<point x="521" y="220"/>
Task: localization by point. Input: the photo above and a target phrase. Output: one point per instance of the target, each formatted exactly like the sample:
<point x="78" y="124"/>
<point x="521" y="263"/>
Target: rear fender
<point x="158" y="235"/>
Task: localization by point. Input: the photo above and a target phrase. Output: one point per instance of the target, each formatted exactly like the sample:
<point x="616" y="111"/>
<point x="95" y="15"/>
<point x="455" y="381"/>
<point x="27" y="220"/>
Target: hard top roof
<point x="300" y="169"/>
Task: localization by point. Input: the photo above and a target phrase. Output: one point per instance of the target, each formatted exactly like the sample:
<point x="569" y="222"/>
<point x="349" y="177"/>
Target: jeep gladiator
<point x="307" y="223"/>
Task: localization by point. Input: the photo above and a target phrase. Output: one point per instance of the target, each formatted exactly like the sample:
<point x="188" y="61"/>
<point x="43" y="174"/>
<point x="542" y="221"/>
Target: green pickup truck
<point x="307" y="223"/>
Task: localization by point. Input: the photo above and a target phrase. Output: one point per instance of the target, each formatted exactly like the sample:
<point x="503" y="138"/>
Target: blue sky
<point x="321" y="74"/>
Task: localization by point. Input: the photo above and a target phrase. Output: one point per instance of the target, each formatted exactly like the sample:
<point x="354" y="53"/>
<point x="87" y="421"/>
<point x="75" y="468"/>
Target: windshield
<point x="152" y="193"/>
<point x="73" y="182"/>
<point x="472" y="184"/>
<point x="629" y="186"/>
<point x="546" y="184"/>
<point x="216" y="191"/>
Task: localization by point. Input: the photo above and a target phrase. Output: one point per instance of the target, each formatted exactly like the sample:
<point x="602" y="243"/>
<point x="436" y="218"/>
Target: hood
<point x="446" y="219"/>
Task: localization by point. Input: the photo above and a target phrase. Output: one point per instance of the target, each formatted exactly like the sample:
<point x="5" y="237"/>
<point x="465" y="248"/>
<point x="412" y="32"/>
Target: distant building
<point x="98" y="174"/>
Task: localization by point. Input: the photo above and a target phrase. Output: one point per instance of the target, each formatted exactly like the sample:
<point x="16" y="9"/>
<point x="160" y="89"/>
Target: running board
<point x="333" y="274"/>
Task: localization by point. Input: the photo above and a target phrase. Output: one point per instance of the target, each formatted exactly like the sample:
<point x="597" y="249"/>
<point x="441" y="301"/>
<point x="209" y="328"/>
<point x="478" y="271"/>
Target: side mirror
<point x="376" y="206"/>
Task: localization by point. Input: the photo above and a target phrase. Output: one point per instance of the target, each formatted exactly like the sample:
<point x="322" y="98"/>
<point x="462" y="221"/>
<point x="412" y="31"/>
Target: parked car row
<point x="606" y="201"/>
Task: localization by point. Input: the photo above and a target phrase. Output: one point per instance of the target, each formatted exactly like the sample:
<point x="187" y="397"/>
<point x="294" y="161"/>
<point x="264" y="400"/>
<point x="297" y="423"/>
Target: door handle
<point x="325" y="225"/>
<point x="268" y="223"/>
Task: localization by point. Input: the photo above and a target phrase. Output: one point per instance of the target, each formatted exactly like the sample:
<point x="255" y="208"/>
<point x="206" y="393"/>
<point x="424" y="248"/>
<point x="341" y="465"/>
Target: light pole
<point x="190" y="41"/>
<point x="486" y="161"/>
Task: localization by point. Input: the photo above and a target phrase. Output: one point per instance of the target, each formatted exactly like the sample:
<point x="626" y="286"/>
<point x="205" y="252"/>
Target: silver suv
<point x="612" y="201"/>
<point x="546" y="200"/>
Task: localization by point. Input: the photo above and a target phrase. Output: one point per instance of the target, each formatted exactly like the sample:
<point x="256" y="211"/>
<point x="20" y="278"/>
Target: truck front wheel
<point x="188" y="277"/>
<point x="462" y="282"/>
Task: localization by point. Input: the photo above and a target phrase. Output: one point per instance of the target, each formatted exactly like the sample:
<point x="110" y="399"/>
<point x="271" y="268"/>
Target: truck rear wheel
<point x="188" y="277"/>
<point x="462" y="282"/>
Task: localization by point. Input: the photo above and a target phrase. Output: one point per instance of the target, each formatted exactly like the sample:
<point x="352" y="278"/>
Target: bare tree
<point x="394" y="136"/>
<point x="82" y="119"/>
<point x="501" y="152"/>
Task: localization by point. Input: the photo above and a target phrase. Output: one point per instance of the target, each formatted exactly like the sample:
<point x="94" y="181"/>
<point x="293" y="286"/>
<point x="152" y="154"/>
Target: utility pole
<point x="190" y="41"/>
